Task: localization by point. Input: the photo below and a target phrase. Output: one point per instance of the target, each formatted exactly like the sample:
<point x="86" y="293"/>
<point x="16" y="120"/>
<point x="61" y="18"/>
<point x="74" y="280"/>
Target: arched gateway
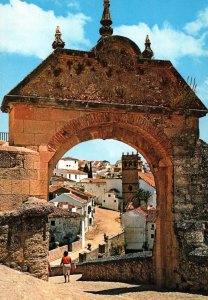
<point x="116" y="92"/>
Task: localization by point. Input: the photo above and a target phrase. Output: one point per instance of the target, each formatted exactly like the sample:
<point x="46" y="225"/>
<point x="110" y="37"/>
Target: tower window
<point x="130" y="188"/>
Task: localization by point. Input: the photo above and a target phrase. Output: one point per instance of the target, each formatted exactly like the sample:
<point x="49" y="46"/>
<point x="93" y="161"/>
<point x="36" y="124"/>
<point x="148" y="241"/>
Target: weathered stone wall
<point x="57" y="253"/>
<point x="22" y="174"/>
<point x="191" y="216"/>
<point x="126" y="268"/>
<point x="24" y="238"/>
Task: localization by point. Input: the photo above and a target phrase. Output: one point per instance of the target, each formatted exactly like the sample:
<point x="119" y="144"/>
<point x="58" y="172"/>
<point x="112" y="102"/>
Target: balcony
<point x="4" y="136"/>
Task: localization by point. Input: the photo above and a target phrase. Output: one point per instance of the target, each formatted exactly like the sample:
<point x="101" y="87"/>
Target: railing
<point x="4" y="136"/>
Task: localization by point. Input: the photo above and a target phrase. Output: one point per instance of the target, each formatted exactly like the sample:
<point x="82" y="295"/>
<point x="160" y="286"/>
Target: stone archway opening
<point x="157" y="152"/>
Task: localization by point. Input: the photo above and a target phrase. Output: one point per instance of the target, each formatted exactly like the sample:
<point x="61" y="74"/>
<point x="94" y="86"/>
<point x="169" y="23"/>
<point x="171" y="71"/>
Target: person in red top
<point x="66" y="262"/>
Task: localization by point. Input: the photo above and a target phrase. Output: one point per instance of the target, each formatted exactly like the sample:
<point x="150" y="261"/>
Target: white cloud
<point x="29" y="30"/>
<point x="199" y="24"/>
<point x="74" y="4"/>
<point x="167" y="42"/>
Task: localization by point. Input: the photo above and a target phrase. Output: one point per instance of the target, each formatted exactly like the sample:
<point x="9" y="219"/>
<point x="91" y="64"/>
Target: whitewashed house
<point x="112" y="200"/>
<point x="68" y="163"/>
<point x="75" y="175"/>
<point x="64" y="226"/>
<point x="74" y="203"/>
<point x="139" y="229"/>
<point x="95" y="186"/>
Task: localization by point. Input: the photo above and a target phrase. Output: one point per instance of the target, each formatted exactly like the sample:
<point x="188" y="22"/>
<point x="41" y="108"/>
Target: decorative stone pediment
<point x="112" y="73"/>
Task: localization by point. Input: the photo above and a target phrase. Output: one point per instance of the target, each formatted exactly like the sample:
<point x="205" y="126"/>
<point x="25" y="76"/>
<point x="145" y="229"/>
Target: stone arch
<point x="151" y="141"/>
<point x="138" y="125"/>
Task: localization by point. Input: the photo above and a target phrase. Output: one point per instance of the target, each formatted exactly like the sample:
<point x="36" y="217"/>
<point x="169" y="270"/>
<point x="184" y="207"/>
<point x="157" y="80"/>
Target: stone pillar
<point x="191" y="223"/>
<point x="25" y="238"/>
<point x="166" y="249"/>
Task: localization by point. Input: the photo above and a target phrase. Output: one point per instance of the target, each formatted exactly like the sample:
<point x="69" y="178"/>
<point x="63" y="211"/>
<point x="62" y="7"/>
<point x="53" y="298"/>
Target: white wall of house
<point x="68" y="164"/>
<point x="61" y="227"/>
<point x="97" y="189"/>
<point x="134" y="225"/>
<point x="151" y="228"/>
<point x="75" y="176"/>
<point x="86" y="209"/>
<point x="111" y="201"/>
<point x="146" y="187"/>
<point x="114" y="183"/>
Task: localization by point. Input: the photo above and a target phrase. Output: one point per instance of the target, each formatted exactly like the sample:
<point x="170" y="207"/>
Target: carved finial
<point x="58" y="43"/>
<point x="106" y="21"/>
<point x="147" y="53"/>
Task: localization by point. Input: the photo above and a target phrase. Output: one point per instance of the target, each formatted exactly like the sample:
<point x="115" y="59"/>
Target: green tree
<point x="140" y="197"/>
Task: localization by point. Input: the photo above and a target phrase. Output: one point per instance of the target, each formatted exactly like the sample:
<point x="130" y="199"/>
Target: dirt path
<point x="106" y="221"/>
<point x="91" y="290"/>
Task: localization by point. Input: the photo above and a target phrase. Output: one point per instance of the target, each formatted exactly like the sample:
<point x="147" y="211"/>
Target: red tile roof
<point x="74" y="171"/>
<point x="95" y="180"/>
<point x="63" y="213"/>
<point x="56" y="187"/>
<point x="61" y="179"/>
<point x="75" y="197"/>
<point x="148" y="178"/>
<point x="141" y="211"/>
<point x="88" y="195"/>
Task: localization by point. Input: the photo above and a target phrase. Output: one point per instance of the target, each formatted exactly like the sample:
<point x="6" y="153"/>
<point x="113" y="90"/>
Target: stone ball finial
<point x="58" y="42"/>
<point x="147" y="53"/>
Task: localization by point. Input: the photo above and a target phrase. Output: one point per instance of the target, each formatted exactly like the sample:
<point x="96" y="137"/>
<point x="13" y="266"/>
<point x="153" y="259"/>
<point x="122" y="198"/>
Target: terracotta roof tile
<point x="141" y="211"/>
<point x="57" y="187"/>
<point x="75" y="197"/>
<point x="148" y="178"/>
<point x="61" y="179"/>
<point x="95" y="180"/>
<point x="60" y="212"/>
<point x="74" y="171"/>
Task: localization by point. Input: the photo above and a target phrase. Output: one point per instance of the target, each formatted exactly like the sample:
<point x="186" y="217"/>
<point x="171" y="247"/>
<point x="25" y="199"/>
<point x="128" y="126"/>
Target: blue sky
<point x="178" y="31"/>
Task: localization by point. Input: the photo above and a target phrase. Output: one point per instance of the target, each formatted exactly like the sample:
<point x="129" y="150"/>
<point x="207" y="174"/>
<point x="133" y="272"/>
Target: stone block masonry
<point x="127" y="268"/>
<point x="191" y="218"/>
<point x="21" y="175"/>
<point x="24" y="238"/>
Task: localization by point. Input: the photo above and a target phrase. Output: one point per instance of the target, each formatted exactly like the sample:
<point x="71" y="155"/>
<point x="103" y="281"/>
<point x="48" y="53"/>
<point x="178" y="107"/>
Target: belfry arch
<point x="114" y="91"/>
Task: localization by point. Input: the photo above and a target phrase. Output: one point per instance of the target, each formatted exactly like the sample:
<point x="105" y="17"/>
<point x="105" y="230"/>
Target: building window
<point x="53" y="223"/>
<point x="130" y="188"/>
<point x="103" y="200"/>
<point x="109" y="195"/>
<point x="115" y="201"/>
<point x="75" y="176"/>
<point x="152" y="227"/>
<point x="69" y="175"/>
<point x="152" y="236"/>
